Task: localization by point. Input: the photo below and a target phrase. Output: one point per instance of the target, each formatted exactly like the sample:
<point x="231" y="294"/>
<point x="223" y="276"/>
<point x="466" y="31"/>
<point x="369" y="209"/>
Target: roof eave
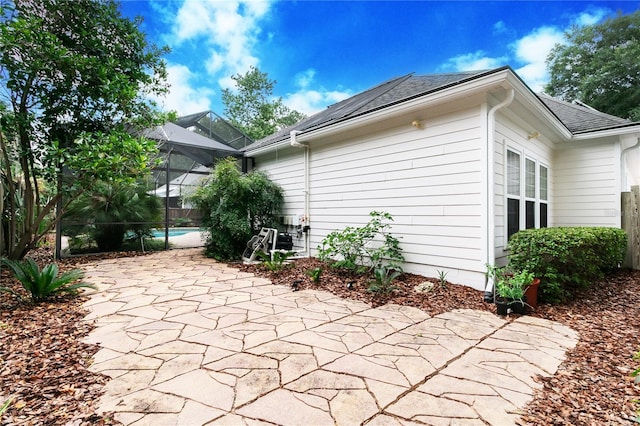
<point x="456" y="91"/>
<point x="625" y="129"/>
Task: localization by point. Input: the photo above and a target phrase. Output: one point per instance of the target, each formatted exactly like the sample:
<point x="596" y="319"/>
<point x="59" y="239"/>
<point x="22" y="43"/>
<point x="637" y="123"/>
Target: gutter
<point x="293" y="141"/>
<point x="489" y="294"/>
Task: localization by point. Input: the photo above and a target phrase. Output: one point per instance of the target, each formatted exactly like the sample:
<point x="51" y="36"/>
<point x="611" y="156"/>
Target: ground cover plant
<point x="45" y="283"/>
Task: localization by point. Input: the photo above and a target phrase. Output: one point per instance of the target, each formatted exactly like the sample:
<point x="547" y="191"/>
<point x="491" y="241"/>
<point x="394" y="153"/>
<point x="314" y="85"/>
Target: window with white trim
<point x="527" y="193"/>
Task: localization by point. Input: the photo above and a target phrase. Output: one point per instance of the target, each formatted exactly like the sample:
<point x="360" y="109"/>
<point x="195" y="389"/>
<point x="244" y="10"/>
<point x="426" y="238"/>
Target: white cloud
<point x="309" y="101"/>
<point x="475" y="61"/>
<point x="499" y="27"/>
<point x="592" y="16"/>
<point x="183" y="97"/>
<point x="226" y="31"/>
<point x="304" y="79"/>
<point x="532" y="50"/>
<point x="528" y="54"/>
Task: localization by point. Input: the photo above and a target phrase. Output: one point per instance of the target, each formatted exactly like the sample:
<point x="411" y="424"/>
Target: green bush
<point x="110" y="211"/>
<point x="567" y="259"/>
<point x="234" y="207"/>
<point x="355" y="248"/>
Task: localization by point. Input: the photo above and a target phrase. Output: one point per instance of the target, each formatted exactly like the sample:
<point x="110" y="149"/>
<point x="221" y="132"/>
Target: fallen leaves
<point x="592" y="387"/>
<point x="44" y="372"/>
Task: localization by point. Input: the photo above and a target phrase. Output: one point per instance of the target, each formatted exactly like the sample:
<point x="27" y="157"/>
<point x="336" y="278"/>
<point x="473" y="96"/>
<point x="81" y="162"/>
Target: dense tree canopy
<point x="75" y="76"/>
<point x="600" y="66"/>
<point x="252" y="108"/>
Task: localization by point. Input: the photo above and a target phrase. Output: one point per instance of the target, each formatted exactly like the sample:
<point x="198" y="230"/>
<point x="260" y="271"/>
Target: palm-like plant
<point x="45" y="283"/>
<point x="112" y="210"/>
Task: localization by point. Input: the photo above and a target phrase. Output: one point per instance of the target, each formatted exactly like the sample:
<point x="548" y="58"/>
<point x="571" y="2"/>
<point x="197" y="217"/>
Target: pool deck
<point x="190" y="341"/>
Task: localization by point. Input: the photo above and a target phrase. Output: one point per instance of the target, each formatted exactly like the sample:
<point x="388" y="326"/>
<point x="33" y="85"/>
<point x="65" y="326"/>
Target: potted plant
<point x="510" y="289"/>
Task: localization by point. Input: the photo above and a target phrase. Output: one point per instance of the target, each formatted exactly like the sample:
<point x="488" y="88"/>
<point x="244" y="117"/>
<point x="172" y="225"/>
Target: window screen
<point x="513" y="173"/>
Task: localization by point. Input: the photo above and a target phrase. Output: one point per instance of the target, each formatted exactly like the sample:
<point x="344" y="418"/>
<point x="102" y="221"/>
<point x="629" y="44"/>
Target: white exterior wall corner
<point x="587" y="183"/>
<point x="512" y="133"/>
<point x="430" y="179"/>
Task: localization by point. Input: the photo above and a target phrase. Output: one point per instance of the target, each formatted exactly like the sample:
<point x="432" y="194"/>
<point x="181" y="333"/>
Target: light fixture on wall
<point x="534" y="135"/>
<point x="417" y="124"/>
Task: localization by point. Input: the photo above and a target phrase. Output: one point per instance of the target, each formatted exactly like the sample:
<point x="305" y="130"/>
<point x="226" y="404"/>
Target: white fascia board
<point x="268" y="148"/>
<point x="534" y="104"/>
<point x="631" y="129"/>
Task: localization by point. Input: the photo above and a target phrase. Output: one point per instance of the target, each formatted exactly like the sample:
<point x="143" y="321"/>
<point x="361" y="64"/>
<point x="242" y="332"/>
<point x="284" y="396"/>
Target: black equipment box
<point x="284" y="242"/>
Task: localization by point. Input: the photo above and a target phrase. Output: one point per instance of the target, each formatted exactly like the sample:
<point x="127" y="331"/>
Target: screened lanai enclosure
<point x="158" y="214"/>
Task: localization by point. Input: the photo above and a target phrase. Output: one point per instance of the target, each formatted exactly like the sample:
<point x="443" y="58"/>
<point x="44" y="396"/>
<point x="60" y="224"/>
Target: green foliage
<point x="442" y="278"/>
<point x="251" y="107"/>
<point x="636" y="374"/>
<point x="78" y="77"/>
<point x="510" y="285"/>
<point x="600" y="65"/>
<point x="383" y="280"/>
<point x="45" y="283"/>
<point x="276" y="262"/>
<point x="566" y="259"/>
<point x="5" y="406"/>
<point x="315" y="274"/>
<point x="234" y="207"/>
<point x="369" y="247"/>
<point x="112" y="210"/>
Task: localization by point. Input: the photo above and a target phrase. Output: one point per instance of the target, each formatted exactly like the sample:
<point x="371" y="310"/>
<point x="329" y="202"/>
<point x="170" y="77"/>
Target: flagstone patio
<point x="190" y="341"/>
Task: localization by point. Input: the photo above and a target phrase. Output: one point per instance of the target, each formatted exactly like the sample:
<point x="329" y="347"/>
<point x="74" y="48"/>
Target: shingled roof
<point x="576" y="118"/>
<point x="581" y="119"/>
<point x="390" y="92"/>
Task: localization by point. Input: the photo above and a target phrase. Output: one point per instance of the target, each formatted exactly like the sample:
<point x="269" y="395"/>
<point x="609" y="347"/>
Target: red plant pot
<point x="531" y="293"/>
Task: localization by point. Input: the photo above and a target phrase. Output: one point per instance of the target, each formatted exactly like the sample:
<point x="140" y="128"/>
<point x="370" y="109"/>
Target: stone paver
<point x="189" y="341"/>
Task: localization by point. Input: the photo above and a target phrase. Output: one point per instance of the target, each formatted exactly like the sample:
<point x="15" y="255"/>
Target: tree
<point x="600" y="66"/>
<point x="252" y="108"/>
<point x="235" y="206"/>
<point x="77" y="77"/>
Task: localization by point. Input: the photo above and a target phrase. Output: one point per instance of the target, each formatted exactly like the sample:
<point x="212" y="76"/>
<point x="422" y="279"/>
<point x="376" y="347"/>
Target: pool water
<point x="173" y="232"/>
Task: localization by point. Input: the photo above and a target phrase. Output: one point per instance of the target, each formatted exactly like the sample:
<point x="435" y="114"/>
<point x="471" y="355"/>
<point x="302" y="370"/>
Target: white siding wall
<point x="286" y="168"/>
<point x="587" y="184"/>
<point x="429" y="179"/>
<point x="510" y="135"/>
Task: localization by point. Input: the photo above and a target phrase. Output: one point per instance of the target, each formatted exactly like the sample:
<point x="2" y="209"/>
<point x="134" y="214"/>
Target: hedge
<point x="567" y="259"/>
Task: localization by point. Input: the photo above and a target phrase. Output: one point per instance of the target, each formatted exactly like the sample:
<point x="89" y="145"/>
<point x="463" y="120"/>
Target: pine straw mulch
<point x="43" y="363"/>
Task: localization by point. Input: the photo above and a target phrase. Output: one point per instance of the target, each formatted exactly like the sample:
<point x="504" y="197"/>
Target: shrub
<point x="110" y="211"/>
<point x="44" y="284"/>
<point x="356" y="250"/>
<point x="566" y="259"/>
<point x="234" y="207"/>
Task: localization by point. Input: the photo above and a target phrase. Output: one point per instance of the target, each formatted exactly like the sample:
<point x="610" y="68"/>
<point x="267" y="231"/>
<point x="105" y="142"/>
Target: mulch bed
<point x="43" y="363"/>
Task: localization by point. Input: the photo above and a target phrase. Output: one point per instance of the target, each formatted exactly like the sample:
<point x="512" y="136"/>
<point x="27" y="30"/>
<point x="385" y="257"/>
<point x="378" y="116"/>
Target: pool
<point x="173" y="232"/>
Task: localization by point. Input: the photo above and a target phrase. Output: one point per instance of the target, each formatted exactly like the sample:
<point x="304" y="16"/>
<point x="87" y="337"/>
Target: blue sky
<point x="320" y="52"/>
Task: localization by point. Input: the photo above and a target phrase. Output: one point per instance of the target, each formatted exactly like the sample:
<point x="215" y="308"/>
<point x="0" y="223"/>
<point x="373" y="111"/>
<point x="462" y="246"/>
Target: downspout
<point x="305" y="224"/>
<point x="489" y="293"/>
<point x="623" y="165"/>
